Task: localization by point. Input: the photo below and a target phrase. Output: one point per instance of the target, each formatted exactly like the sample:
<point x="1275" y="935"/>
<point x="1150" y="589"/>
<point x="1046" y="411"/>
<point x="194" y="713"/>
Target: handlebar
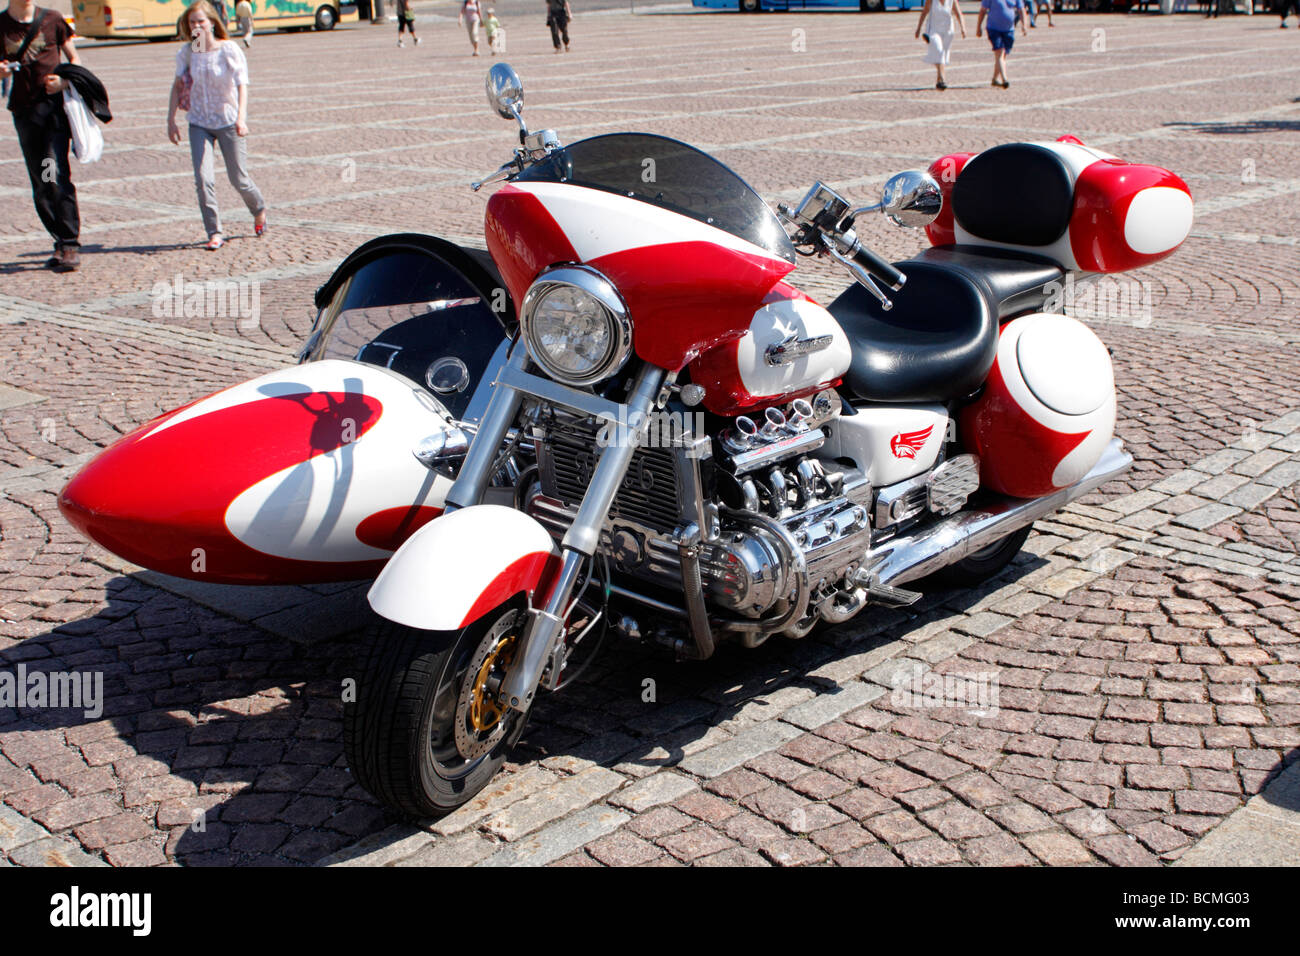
<point x="878" y="267"/>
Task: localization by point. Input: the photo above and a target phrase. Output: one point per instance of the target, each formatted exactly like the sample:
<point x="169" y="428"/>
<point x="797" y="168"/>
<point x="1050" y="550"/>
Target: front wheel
<point x="750" y="6"/>
<point x="425" y="732"/>
<point x="325" y="18"/>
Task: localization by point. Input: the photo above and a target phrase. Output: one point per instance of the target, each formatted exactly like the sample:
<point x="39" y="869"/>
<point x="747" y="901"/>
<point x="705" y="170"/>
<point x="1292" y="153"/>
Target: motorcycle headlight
<point x="576" y="325"/>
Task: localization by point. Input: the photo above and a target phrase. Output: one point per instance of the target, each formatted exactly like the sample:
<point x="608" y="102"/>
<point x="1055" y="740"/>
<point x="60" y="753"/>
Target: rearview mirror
<point x="505" y="91"/>
<point x="911" y="198"/>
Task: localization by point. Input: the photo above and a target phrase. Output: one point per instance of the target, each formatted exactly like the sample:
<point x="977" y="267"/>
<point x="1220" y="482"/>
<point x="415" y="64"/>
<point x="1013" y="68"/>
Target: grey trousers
<point x="235" y="154"/>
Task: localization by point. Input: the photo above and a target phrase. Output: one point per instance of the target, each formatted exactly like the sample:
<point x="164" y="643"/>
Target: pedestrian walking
<point x="212" y="86"/>
<point x="1035" y="7"/>
<point x="496" y="33"/>
<point x="471" y="15"/>
<point x="405" y="22"/>
<point x="558" y="16"/>
<point x="1290" y="6"/>
<point x="31" y="40"/>
<point x="244" y="16"/>
<point x="1002" y="15"/>
<point x="941" y="19"/>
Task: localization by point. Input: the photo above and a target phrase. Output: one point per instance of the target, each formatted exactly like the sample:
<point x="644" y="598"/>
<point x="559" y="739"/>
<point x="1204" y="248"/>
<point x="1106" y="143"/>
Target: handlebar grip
<point x="878" y="267"/>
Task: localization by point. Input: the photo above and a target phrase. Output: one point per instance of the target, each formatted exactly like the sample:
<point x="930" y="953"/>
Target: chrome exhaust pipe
<point x="937" y="546"/>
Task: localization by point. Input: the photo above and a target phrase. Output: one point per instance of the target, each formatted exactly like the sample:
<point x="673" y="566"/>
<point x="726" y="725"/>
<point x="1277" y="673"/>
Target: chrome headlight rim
<point x="598" y="286"/>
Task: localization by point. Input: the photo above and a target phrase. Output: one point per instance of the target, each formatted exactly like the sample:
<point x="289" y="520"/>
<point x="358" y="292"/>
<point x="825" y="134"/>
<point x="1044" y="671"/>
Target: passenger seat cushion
<point x="1018" y="193"/>
<point x="1080" y="207"/>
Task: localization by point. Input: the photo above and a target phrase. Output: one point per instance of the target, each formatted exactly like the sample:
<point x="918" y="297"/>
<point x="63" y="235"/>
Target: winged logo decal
<point x="907" y="444"/>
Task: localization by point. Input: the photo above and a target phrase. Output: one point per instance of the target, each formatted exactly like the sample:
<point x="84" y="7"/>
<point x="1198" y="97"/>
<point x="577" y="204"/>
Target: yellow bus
<point x="156" y="19"/>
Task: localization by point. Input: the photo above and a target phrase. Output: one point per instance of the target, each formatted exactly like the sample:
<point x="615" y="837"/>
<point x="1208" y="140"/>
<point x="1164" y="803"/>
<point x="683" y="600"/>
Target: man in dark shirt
<point x="36" y="101"/>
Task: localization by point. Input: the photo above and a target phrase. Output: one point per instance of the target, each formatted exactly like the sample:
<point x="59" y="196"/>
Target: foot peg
<point x="892" y="596"/>
<point x="885" y="594"/>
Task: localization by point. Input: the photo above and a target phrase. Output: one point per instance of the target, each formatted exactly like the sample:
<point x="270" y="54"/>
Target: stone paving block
<point x="1207" y="516"/>
<point x="564" y="797"/>
<point x="1026" y="602"/>
<point x="1105" y="560"/>
<point x="1062" y="583"/>
<point x="17" y="830"/>
<point x="850" y="668"/>
<point x="463" y="849"/>
<point x="892" y="672"/>
<point x="943" y="646"/>
<point x="321" y="618"/>
<point x="1260" y="462"/>
<point x="384" y="848"/>
<point x="15" y="397"/>
<point x="673" y="749"/>
<point x="1221" y="461"/>
<point x="746" y="745"/>
<point x="828" y="706"/>
<point x="502" y="792"/>
<point x="560" y="838"/>
<point x="52" y="851"/>
<point x="1285" y="425"/>
<point x="1281" y="476"/>
<point x="1137" y="501"/>
<point x="1288" y="443"/>
<point x="1217" y="487"/>
<point x="982" y="624"/>
<point x="1178" y="483"/>
<point x="651" y="791"/>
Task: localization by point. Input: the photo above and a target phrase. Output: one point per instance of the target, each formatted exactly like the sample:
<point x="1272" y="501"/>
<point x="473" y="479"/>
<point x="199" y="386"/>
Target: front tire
<point x="421" y="735"/>
<point x="750" y="6"/>
<point x="325" y="18"/>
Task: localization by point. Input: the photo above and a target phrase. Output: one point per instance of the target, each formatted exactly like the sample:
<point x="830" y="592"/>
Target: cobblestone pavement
<point x="1145" y="645"/>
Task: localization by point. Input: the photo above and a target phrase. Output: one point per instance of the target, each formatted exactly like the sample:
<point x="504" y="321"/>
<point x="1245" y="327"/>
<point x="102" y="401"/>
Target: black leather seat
<point x="938" y="341"/>
<point x="1017" y="193"/>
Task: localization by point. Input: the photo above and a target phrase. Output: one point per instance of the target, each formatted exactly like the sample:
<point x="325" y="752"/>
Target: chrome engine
<point x="777" y="533"/>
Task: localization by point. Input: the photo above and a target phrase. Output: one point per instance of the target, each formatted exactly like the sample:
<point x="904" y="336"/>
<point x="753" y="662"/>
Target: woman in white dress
<point x="944" y="19"/>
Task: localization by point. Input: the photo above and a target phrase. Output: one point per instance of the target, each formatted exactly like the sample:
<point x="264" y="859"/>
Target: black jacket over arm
<point x="90" y="88"/>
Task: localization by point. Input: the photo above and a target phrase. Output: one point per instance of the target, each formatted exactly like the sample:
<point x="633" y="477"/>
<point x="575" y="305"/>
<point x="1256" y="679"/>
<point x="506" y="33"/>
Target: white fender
<point x="454" y="570"/>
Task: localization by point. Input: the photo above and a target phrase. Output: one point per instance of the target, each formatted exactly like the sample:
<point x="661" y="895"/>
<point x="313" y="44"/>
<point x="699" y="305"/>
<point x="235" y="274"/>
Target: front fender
<point x="453" y="571"/>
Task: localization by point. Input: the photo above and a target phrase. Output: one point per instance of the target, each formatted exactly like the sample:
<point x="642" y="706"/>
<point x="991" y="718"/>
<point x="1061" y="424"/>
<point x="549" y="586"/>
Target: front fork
<point x="542" y="640"/>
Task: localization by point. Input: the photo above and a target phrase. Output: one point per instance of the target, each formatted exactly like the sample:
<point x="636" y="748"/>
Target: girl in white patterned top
<point x="216" y="73"/>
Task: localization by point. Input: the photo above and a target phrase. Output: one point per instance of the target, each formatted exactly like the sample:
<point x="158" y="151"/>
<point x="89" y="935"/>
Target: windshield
<point x="669" y="174"/>
<point x="411" y="306"/>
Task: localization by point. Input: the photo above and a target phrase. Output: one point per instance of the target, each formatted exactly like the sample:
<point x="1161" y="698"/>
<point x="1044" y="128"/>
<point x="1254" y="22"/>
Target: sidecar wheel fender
<point x="456" y="569"/>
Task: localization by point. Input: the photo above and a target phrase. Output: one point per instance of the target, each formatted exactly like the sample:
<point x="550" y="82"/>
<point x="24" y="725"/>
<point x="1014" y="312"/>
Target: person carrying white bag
<point x="84" y="100"/>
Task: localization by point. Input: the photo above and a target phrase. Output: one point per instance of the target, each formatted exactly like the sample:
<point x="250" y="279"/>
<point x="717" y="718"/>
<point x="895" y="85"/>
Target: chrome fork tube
<point x="500" y="414"/>
<point x="540" y="643"/>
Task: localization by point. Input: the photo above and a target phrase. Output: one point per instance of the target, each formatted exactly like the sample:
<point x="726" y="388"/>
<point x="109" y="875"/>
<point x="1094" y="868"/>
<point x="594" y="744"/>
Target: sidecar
<point x="306" y="474"/>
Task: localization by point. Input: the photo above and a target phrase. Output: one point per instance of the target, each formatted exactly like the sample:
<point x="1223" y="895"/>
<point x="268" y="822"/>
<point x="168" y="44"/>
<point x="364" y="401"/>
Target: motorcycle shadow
<point x="218" y="720"/>
<point x="222" y="736"/>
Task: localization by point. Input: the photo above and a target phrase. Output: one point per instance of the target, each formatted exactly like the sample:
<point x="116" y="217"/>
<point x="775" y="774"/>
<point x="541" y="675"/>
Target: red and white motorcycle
<point x="623" y="417"/>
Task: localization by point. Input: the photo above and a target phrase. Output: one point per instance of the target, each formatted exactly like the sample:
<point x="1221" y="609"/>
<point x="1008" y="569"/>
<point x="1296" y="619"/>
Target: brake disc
<point x="481" y="719"/>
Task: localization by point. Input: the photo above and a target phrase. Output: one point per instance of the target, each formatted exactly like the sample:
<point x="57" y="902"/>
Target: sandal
<point x="215" y="242"/>
<point x="259" y="230"/>
<point x="941" y="85"/>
